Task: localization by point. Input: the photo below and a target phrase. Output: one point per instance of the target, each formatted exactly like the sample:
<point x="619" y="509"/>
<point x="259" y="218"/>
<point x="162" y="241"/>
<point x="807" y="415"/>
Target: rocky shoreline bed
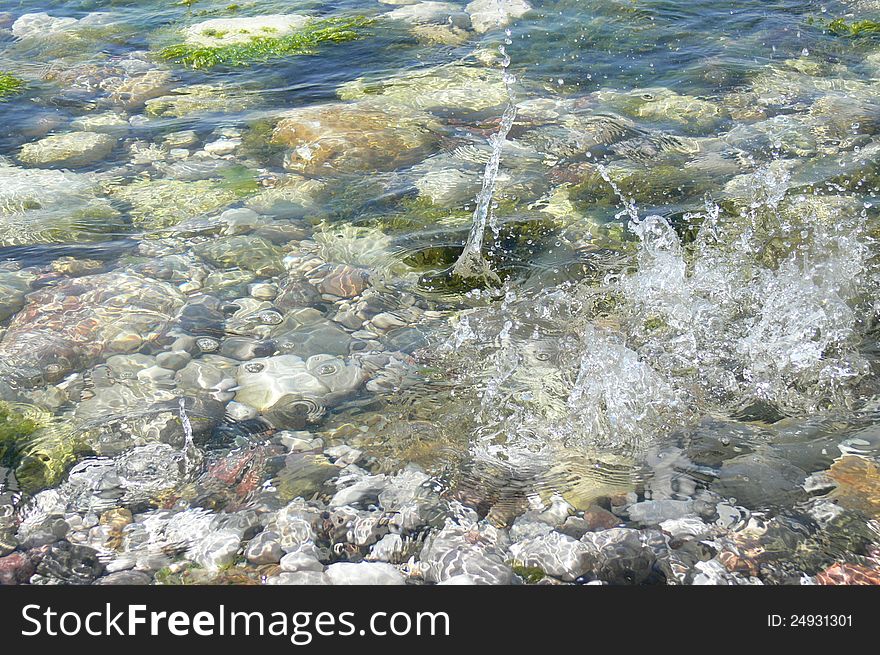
<point x="228" y="358"/>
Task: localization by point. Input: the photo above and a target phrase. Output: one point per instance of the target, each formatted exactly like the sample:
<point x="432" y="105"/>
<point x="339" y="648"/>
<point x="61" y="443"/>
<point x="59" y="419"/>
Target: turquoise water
<point x="233" y="292"/>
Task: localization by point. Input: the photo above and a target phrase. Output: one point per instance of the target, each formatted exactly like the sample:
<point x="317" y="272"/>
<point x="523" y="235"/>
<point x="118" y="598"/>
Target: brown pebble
<point x="598" y="518"/>
<point x="344" y="282"/>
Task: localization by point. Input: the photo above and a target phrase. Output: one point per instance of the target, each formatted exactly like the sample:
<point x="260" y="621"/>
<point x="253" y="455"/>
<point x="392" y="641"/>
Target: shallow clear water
<point x="224" y="288"/>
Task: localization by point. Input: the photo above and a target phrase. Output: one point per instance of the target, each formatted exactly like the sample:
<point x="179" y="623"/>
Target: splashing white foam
<point x="763" y="312"/>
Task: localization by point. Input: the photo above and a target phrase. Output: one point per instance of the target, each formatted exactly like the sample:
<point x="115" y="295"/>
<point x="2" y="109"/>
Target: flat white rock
<point x="364" y="573"/>
<point x="227" y="31"/>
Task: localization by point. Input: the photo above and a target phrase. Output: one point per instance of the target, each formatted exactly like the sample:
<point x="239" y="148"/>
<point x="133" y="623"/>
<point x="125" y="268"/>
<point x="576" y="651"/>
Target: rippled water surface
<point x="397" y="291"/>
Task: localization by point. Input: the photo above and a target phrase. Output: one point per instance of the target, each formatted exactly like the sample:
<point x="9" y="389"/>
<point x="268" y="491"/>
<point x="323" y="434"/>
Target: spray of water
<point x="190" y="459"/>
<point x="629" y="207"/>
<point x="471" y="263"/>
<point x="762" y="316"/>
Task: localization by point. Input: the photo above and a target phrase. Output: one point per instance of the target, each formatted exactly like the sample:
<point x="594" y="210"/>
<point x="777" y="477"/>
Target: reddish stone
<point x="230" y="469"/>
<point x="858" y="484"/>
<point x="735" y="563"/>
<point x="848" y="574"/>
<point x="253" y="477"/>
<point x="16" y="568"/>
<point x="240" y="473"/>
<point x="598" y="518"/>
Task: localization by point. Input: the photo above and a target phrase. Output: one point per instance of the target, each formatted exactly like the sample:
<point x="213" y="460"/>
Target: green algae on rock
<point x="157" y="204"/>
<point x="198" y="99"/>
<point x="70" y="150"/>
<point x="305" y="41"/>
<point x="13" y="287"/>
<point x="52" y="206"/>
<point x="856" y="28"/>
<point x="448" y="87"/>
<point x="10" y="85"/>
<point x="655" y="182"/>
<point x="420" y="212"/>
<point x="293" y="195"/>
<point x="241" y="180"/>
<point x="252" y="253"/>
<point x="530" y="574"/>
<point x="92" y="221"/>
<point x="218" y="32"/>
<point x="45" y="457"/>
<point x="37" y="447"/>
<point x="662" y="105"/>
<point x="13" y="428"/>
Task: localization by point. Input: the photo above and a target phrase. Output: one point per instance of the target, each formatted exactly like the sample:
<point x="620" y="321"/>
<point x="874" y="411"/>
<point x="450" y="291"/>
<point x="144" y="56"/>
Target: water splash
<point x="471" y="263"/>
<point x="616" y="396"/>
<point x="190" y="452"/>
<point x="760" y="316"/>
<point x="764" y="308"/>
<point x="629" y="206"/>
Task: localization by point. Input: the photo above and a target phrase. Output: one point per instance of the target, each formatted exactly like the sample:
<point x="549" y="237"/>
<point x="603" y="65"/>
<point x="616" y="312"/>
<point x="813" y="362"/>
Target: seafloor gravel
<point x="234" y="348"/>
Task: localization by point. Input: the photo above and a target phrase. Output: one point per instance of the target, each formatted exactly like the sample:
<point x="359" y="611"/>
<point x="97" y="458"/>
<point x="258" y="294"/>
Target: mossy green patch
<point x="216" y="11"/>
<point x="419" y="212"/>
<point x="187" y="573"/>
<point x="257" y="142"/>
<point x="241" y="180"/>
<point x="433" y="258"/>
<point x="40" y="451"/>
<point x="416" y="212"/>
<point x="306" y="41"/>
<point x="659" y="183"/>
<point x="10" y="85"/>
<point x="178" y="575"/>
<point x="531" y="574"/>
<point x="45" y="460"/>
<point x="857" y="28"/>
<point x="14" y="428"/>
